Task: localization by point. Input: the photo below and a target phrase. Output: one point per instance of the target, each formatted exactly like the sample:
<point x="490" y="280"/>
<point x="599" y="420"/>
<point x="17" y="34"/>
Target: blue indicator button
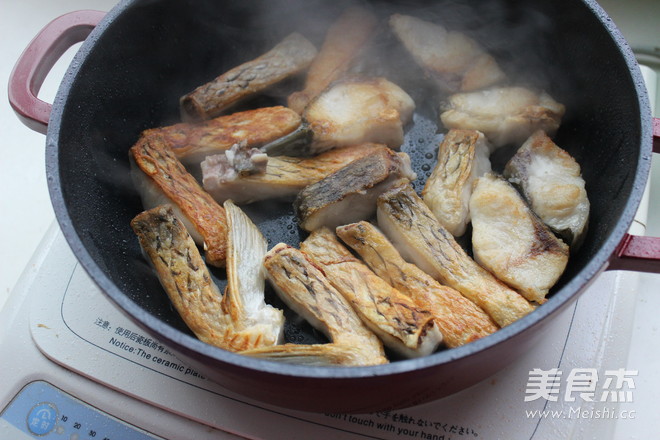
<point x="42" y="418"/>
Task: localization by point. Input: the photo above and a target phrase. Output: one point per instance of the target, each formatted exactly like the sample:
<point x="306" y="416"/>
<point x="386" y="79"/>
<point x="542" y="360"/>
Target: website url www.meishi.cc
<point x="579" y="413"/>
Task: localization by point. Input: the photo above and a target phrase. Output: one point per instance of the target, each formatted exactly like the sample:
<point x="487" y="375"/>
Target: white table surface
<point x="26" y="212"/>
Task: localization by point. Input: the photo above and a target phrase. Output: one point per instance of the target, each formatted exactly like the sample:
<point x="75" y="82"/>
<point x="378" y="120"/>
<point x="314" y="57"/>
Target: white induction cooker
<point x="74" y="367"/>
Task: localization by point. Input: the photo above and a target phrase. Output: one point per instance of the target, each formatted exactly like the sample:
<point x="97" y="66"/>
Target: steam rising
<point x="517" y="35"/>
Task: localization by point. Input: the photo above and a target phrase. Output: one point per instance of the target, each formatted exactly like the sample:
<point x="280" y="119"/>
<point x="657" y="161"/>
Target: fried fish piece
<point x="402" y="324"/>
<point x="354" y="110"/>
<point x="283" y="178"/>
<point x="551" y="181"/>
<point x="417" y="234"/>
<point x="237" y="321"/>
<point x="510" y="241"/>
<point x="305" y="289"/>
<point x="344" y="40"/>
<point x="462" y="157"/>
<point x="505" y="115"/>
<point x="160" y="178"/>
<point x="457" y="62"/>
<point x="191" y="142"/>
<point x="459" y="320"/>
<point x="313" y="355"/>
<point x="349" y="194"/>
<point x="289" y="57"/>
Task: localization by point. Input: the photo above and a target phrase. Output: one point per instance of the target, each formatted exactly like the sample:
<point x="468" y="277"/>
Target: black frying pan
<point x="143" y="55"/>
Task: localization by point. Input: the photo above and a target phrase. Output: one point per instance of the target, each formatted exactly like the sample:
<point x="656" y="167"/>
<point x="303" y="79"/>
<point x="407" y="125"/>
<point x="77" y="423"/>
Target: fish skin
<point x="401" y="323"/>
<point x="290" y="56"/>
<point x="417" y="234"/>
<point x="511" y="241"/>
<point x="284" y="177"/>
<point x="303" y="286"/>
<point x="188" y="283"/>
<point x="191" y="142"/>
<point x="459" y="320"/>
<point x="345" y="39"/>
<point x="357" y="109"/>
<point x="156" y="163"/>
<point x="505" y="115"/>
<point x="349" y="194"/>
<point x="462" y="157"/>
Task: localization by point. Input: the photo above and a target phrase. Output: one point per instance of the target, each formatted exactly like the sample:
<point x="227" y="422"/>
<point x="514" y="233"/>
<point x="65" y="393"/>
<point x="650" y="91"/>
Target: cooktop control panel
<point x="43" y="411"/>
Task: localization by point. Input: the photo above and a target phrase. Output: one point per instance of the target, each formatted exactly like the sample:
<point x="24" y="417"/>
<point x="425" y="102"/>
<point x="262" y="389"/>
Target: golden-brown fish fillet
<point x="397" y="319"/>
<point x="306" y="290"/>
<point x="289" y="57"/>
<point x="344" y="40"/>
<point x="460" y="320"/>
<point x="417" y="234"/>
<point x="510" y="241"/>
<point x="192" y="142"/>
<point x="244" y="299"/>
<point x="284" y="177"/>
<point x="462" y="157"/>
<point x="160" y="177"/>
<point x="187" y="282"/>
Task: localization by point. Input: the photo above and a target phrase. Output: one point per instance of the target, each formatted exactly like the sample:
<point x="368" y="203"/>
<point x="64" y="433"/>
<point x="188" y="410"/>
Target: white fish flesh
<point x="457" y="62"/>
<point x="235" y="321"/>
<point x="506" y="115"/>
<point x="510" y="241"/>
<point x="421" y="239"/>
<point x="192" y="142"/>
<point x="356" y="110"/>
<point x="314" y="355"/>
<point x="551" y="181"/>
<point x="463" y="155"/>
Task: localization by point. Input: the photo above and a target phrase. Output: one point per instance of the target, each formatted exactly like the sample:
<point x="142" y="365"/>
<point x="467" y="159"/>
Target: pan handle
<point x="39" y="58"/>
<point x="656" y="135"/>
<point x="636" y="252"/>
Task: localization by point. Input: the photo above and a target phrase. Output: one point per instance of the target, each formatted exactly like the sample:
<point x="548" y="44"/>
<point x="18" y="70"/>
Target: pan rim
<point x="187" y="344"/>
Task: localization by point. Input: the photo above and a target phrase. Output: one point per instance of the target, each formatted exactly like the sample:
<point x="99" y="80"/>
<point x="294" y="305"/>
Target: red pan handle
<point x="636" y="252"/>
<point x="656" y="135"/>
<point x="39" y="57"/>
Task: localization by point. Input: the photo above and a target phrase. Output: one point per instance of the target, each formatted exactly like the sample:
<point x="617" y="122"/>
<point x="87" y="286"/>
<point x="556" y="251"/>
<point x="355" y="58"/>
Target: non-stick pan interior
<point x="146" y="54"/>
